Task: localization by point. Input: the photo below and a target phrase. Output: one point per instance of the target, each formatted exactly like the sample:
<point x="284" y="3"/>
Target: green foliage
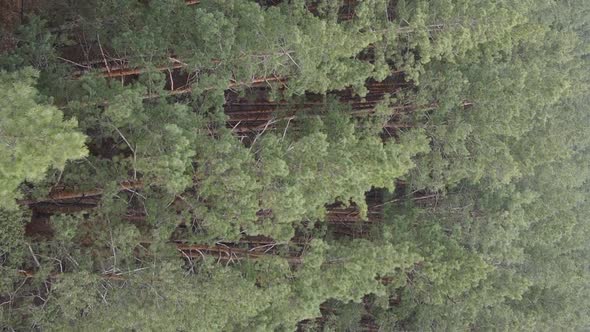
<point x="290" y="178"/>
<point x="492" y="108"/>
<point x="35" y="47"/>
<point x="448" y="30"/>
<point x="240" y="41"/>
<point x="485" y="129"/>
<point x="153" y="140"/>
<point x="12" y="238"/>
<point x="33" y="133"/>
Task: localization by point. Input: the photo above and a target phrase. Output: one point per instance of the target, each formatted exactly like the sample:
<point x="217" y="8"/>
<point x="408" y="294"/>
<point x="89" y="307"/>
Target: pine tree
<point x="34" y="135"/>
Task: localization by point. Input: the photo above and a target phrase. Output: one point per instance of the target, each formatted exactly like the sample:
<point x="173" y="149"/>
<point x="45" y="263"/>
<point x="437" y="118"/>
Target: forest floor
<point x="10" y="17"/>
<point x="12" y="12"/>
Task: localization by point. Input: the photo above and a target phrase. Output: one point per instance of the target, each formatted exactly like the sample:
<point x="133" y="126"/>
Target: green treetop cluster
<point x="480" y="149"/>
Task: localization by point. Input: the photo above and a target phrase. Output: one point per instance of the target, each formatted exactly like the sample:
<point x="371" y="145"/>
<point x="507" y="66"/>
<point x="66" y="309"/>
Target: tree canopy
<point x="300" y="165"/>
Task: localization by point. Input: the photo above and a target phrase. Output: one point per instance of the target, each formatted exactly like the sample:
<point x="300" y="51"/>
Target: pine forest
<point x="295" y="165"/>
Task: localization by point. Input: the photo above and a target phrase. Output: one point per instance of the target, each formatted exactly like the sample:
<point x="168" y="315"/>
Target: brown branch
<point x="70" y="194"/>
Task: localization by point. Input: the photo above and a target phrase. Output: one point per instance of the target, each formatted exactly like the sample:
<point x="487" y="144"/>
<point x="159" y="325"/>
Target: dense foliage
<point x="34" y="134"/>
<point x="295" y="165"/>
